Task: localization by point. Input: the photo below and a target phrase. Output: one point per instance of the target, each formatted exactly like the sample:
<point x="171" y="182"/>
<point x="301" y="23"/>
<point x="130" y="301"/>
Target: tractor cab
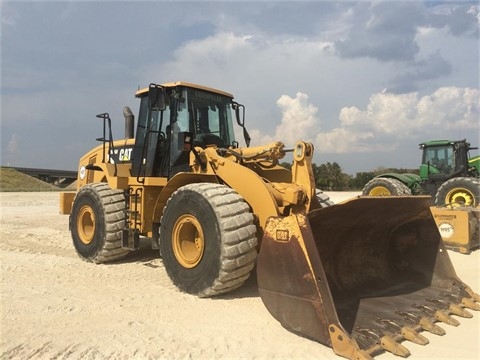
<point x="438" y="159"/>
<point x="173" y="119"/>
<point x="444" y="159"/>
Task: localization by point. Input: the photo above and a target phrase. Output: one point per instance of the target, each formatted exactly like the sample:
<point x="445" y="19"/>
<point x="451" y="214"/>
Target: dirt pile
<point x="13" y="180"/>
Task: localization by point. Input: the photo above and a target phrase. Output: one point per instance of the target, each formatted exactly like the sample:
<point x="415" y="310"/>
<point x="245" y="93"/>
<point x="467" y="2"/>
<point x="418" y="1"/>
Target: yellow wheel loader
<point x="361" y="277"/>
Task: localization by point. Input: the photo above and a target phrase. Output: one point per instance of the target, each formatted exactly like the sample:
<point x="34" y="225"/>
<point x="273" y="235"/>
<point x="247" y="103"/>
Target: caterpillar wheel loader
<point x="361" y="277"/>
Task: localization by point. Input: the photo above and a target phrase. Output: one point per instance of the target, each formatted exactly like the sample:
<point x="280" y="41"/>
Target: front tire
<point x="385" y="187"/>
<point x="461" y="191"/>
<point x="207" y="239"/>
<point x="96" y="223"/>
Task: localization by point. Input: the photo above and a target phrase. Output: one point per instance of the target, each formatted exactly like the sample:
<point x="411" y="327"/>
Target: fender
<point x="409" y="179"/>
<point x="175" y="183"/>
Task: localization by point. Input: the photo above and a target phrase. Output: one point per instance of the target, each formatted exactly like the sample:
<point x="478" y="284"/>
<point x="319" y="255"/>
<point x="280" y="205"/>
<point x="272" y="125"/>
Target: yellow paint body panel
<point x="66" y="202"/>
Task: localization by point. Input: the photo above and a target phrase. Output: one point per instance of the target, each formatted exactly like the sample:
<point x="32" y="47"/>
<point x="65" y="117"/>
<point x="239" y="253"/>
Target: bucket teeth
<point x="407" y="332"/>
<point x="438" y="314"/>
<point x="459" y="311"/>
<point x="390" y="345"/>
<point x="423" y="322"/>
<point x="452" y="308"/>
<point x="476" y="297"/>
<point x="413" y="336"/>
<point x="471" y="303"/>
<point x="445" y="318"/>
<point x="431" y="327"/>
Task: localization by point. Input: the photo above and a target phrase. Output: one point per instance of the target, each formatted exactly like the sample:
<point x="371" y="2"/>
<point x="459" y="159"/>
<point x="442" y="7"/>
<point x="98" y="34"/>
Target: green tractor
<point x="447" y="173"/>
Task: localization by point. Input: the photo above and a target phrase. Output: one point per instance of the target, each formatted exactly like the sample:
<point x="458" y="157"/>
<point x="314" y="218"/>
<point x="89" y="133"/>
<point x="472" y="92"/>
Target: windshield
<point x="205" y="112"/>
<point x="440" y="157"/>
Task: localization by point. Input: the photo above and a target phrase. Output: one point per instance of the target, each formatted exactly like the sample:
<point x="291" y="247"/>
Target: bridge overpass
<point x="61" y="178"/>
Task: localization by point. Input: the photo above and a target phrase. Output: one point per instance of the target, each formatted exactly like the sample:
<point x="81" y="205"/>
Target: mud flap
<point x="361" y="276"/>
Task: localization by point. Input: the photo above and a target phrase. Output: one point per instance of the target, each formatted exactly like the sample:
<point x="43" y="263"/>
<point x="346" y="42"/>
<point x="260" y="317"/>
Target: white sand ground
<point x="56" y="306"/>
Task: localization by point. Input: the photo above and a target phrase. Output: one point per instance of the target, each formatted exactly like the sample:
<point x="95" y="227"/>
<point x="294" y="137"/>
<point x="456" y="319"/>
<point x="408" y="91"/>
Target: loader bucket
<point x="361" y="276"/>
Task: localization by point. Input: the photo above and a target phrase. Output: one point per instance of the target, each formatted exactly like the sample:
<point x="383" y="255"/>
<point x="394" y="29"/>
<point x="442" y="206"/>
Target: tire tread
<point x="237" y="236"/>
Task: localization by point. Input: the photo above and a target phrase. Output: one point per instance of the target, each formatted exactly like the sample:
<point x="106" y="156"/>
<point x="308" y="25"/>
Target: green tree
<point x="330" y="176"/>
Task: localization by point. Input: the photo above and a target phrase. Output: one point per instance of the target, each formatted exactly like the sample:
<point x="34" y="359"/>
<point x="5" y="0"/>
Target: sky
<point x="364" y="81"/>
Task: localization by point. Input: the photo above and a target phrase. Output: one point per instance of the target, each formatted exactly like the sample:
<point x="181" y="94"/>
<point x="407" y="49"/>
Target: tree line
<point x="330" y="176"/>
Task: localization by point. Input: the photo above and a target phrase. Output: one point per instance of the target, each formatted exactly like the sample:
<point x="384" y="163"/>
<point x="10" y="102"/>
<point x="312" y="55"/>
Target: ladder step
<point x="130" y="239"/>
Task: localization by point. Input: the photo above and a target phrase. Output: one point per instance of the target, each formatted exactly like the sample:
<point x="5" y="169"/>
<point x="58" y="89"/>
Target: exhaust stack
<point x="129" y="123"/>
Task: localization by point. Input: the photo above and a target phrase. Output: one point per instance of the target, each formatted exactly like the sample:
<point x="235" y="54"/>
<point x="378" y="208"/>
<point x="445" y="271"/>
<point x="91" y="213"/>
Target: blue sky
<point x="365" y="81"/>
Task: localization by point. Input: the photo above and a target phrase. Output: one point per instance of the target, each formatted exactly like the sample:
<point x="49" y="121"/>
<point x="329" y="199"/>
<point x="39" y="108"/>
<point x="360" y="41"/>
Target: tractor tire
<point x="457" y="192"/>
<point x="96" y="223"/>
<point x="207" y="239"/>
<point x="385" y="187"/>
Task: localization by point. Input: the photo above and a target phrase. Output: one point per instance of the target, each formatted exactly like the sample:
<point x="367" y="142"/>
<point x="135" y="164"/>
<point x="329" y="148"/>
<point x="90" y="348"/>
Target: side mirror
<point x="156" y="97"/>
<point x="241" y="122"/>
<point x="236" y="106"/>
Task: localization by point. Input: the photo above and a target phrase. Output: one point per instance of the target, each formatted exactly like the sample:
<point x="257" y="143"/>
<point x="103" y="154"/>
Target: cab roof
<point x="439" y="143"/>
<point x="143" y="91"/>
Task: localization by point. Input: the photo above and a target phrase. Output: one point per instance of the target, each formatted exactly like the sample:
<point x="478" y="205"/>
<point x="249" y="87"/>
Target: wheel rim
<point x="459" y="197"/>
<point x="188" y="241"/>
<point x="86" y="224"/>
<point x="379" y="191"/>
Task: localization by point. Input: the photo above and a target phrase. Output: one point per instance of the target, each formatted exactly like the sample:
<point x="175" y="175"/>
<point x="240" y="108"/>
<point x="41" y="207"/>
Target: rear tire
<point x="385" y="187"/>
<point x="461" y="191"/>
<point x="96" y="223"/>
<point x="207" y="239"/>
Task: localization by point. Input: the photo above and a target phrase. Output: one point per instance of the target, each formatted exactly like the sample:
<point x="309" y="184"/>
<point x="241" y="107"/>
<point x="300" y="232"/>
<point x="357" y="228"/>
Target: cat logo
<point x="120" y="155"/>
<point x="282" y="235"/>
<point x="125" y="154"/>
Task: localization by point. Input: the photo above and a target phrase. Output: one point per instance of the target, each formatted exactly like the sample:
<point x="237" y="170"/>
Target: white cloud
<point x="451" y="108"/>
<point x="299" y="117"/>
<point x="298" y="122"/>
<point x="384" y="123"/>
<point x="60" y="78"/>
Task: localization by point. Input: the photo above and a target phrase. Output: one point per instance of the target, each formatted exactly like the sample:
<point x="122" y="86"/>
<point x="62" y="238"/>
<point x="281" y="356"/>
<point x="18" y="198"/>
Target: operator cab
<point x="173" y="117"/>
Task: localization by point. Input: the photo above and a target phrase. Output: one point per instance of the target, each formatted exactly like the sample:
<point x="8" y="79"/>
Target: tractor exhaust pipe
<point x="129" y="123"/>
